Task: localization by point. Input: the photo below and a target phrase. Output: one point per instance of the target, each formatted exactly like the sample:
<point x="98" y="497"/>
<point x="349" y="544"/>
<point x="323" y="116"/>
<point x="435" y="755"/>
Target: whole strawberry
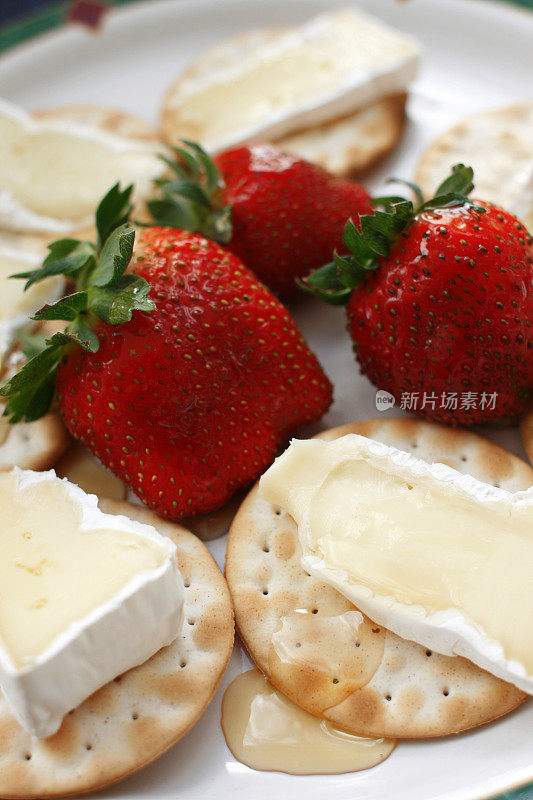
<point x="281" y="215"/>
<point x="440" y="304"/>
<point x="185" y="395"/>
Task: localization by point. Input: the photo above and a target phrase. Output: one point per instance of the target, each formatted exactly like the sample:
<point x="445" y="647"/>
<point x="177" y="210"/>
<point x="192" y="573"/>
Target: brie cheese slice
<point x="84" y="596"/>
<point x="331" y="66"/>
<point x="17" y="305"/>
<point x="433" y="555"/>
<point x="53" y="173"/>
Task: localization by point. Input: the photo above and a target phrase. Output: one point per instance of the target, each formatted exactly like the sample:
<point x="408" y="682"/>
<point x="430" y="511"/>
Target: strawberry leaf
<point x="325" y="283"/>
<point x="31" y="371"/>
<point x="172" y="213"/>
<point x="461" y="181"/>
<point x="30" y="392"/>
<point x="114" y="257"/>
<point x="115" y="304"/>
<point x="187" y="190"/>
<point x="68" y="308"/>
<point x="193" y="201"/>
<point x="379" y="233"/>
<point x="349" y="271"/>
<point x="34" y="401"/>
<point x="113" y="211"/>
<point x="212" y="175"/>
<point x="415" y="188"/>
<point x="191" y="164"/>
<point x="67" y="257"/>
<point x="103" y="291"/>
<point x="80" y="333"/>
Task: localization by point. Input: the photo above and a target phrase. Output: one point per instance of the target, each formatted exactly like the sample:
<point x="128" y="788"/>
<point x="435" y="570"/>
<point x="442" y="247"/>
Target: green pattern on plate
<point x="53" y="17"/>
<point x="50" y="18"/>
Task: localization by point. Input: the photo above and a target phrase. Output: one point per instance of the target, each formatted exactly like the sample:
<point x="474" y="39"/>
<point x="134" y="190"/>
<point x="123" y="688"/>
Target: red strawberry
<point x="192" y="400"/>
<point x="439" y="304"/>
<point x="281" y="215"/>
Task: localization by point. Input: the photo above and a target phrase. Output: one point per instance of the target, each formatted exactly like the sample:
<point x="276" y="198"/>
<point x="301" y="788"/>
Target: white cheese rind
<point x="448" y="631"/>
<point x="384" y="62"/>
<point x="145" y="615"/>
<point x="54" y="173"/>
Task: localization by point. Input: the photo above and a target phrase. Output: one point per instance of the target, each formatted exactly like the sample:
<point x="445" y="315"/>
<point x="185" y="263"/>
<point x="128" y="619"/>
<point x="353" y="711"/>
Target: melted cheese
<point x="330" y="66"/>
<point x="52" y="570"/>
<point x="53" y="174"/>
<point x="400" y="537"/>
<point x="84" y="596"/>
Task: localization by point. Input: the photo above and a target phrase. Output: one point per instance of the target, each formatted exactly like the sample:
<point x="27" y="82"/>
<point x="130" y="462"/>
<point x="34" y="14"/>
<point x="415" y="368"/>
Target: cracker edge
<point x="51" y="428"/>
<point x="144" y="131"/>
<point x="469" y="120"/>
<point x="148" y="517"/>
<point x="407" y="425"/>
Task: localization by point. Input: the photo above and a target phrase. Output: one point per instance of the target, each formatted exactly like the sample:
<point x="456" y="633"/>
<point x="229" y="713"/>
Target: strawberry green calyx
<point x="103" y="291"/>
<point x="192" y="198"/>
<point x="379" y="232"/>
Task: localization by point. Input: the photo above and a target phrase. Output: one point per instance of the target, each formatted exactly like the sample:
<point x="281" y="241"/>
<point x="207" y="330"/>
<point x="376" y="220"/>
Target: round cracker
<point x="137" y="717"/>
<point x="498" y="144"/>
<point x="353" y="144"/>
<point x="411" y="694"/>
<point x="112" y="120"/>
<point x="526" y="429"/>
<point x="461" y="449"/>
<point x="34" y="445"/>
<point x="345" y="146"/>
<point x="29" y="445"/>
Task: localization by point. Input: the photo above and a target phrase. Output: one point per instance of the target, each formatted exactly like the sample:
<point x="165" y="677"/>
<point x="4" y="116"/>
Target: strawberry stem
<point x="380" y="231"/>
<point x="192" y="198"/>
<point x="103" y="291"/>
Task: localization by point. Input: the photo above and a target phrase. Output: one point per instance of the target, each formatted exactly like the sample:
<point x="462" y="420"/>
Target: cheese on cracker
<point x="272" y="83"/>
<point x="437" y="557"/>
<point x="84" y="596"/>
<point x="53" y="173"/>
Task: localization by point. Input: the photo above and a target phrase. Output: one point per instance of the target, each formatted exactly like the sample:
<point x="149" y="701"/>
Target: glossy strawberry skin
<point x="450" y="310"/>
<point x="192" y="401"/>
<point x="288" y="214"/>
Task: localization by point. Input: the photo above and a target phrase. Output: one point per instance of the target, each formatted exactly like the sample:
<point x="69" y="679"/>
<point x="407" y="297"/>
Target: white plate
<point x="477" y="55"/>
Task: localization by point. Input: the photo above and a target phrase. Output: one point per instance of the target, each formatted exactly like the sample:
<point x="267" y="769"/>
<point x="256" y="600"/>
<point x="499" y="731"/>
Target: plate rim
<point x="50" y="23"/>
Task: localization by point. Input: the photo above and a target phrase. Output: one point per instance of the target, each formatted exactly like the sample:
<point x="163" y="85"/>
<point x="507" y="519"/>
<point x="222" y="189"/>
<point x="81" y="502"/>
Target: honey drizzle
<point x="267" y="732"/>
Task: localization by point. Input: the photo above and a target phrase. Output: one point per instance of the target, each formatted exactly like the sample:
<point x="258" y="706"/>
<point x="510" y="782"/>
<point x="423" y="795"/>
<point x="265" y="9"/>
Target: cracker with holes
<point x="498" y="144"/>
<point x="319" y="650"/>
<point x="30" y="445"/>
<point x="137" y="715"/>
